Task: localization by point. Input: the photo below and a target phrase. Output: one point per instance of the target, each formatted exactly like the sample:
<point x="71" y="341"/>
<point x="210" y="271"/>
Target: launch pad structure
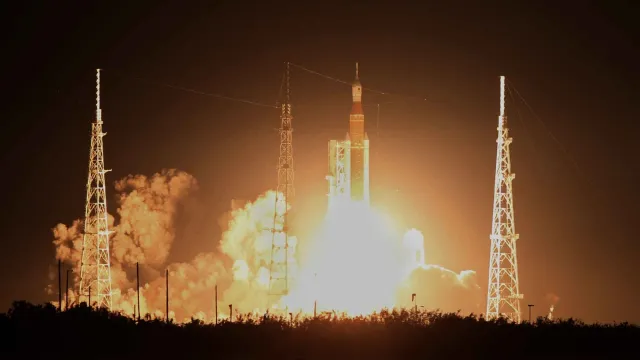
<point x="95" y="266"/>
<point x="279" y="269"/>
<point x="348" y="179"/>
<point x="503" y="292"/>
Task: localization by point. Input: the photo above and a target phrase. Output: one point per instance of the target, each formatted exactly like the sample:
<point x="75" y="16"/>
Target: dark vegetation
<point x="42" y="332"/>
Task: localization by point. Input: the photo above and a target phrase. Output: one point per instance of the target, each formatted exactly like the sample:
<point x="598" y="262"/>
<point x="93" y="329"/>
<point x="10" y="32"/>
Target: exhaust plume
<point x="386" y="267"/>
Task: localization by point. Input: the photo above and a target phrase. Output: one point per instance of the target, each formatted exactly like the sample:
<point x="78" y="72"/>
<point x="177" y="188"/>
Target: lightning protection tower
<point x="95" y="267"/>
<point x="503" y="297"/>
<point x="279" y="264"/>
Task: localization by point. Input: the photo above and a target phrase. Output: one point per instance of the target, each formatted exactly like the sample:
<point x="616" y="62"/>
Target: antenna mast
<point x="95" y="266"/>
<point x="280" y="256"/>
<point x="503" y="295"/>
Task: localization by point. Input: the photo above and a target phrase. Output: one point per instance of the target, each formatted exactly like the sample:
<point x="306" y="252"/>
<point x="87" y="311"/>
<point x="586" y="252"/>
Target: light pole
<point x="315" y="302"/>
<point x="530" y="306"/>
<point x="138" y="287"/>
<point x="166" y="276"/>
<point x="415" y="303"/>
<point x="60" y="285"/>
<point x="66" y="306"/>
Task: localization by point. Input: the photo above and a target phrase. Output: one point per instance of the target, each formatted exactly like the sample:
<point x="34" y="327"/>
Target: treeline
<point x="42" y="332"/>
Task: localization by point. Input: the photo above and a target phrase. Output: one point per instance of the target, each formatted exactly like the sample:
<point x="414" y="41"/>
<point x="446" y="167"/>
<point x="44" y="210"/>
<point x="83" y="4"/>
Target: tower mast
<point x="279" y="271"/>
<point x="95" y="267"/>
<point x="503" y="295"/>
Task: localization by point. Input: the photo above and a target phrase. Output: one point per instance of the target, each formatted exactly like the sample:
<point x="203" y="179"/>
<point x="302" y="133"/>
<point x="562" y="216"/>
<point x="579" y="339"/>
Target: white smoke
<point x="144" y="232"/>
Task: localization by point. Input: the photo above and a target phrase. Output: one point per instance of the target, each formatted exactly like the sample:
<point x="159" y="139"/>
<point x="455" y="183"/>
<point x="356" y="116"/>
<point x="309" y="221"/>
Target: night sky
<point x="433" y="144"/>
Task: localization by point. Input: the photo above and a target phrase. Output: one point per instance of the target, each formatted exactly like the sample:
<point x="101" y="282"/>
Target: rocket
<point x="359" y="145"/>
<point x="349" y="158"/>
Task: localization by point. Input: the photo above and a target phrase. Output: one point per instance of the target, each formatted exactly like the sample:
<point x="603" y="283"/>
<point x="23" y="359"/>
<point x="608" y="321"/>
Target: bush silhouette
<point x="41" y="331"/>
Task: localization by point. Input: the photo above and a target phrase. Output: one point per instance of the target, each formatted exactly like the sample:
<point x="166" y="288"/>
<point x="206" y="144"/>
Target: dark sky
<point x="575" y="64"/>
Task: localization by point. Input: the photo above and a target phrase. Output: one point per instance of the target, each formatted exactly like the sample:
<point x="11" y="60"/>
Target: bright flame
<point x="356" y="263"/>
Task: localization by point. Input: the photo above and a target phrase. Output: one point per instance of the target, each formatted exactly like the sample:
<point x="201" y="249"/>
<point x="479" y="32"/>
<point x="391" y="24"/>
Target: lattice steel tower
<point x="503" y="297"/>
<point x="95" y="268"/>
<point x="279" y="266"/>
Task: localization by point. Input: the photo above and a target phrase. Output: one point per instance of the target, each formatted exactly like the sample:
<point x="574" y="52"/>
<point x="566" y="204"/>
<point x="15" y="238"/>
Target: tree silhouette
<point x="40" y="331"/>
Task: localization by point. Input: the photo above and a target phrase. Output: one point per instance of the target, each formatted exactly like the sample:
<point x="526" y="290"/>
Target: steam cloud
<point x="439" y="288"/>
<point x="144" y="232"/>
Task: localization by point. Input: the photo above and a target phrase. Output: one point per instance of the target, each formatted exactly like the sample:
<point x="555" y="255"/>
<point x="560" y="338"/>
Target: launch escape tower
<point x="95" y="266"/>
<point x="279" y="264"/>
<point x="349" y="159"/>
<point x="503" y="295"/>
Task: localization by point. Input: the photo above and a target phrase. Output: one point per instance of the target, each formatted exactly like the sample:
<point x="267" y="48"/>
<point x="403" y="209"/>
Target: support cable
<point x="364" y="88"/>
<point x="175" y="87"/>
<point x="567" y="155"/>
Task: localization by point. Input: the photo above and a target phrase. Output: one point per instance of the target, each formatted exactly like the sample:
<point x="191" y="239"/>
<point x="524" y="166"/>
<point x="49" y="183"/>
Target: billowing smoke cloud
<point x="146" y="209"/>
<point x="434" y="286"/>
<point x="68" y="241"/>
<point x="146" y="213"/>
<point x="144" y="231"/>
<point x="439" y="288"/>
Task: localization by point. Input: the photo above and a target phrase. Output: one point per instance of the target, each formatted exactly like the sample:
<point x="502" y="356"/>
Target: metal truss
<point x="95" y="267"/>
<point x="280" y="257"/>
<point x="503" y="296"/>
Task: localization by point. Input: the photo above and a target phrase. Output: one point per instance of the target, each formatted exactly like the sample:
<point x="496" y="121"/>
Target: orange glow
<point x="357" y="262"/>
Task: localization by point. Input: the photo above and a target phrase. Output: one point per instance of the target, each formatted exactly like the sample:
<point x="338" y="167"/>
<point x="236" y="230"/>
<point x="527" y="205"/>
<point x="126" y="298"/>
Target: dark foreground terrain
<point x="41" y="332"/>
